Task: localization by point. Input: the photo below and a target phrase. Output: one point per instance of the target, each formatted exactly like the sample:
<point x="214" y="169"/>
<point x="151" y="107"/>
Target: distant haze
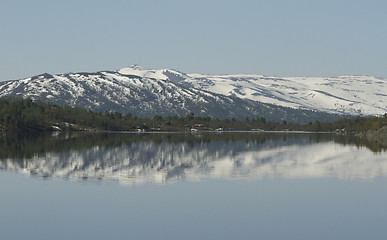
<point x="274" y="38"/>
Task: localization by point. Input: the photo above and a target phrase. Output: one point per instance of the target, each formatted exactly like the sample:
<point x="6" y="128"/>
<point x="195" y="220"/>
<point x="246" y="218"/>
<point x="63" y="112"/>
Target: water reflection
<point x="169" y="157"/>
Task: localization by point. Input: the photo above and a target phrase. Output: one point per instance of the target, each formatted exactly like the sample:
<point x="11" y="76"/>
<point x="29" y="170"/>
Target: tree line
<point x="27" y="115"/>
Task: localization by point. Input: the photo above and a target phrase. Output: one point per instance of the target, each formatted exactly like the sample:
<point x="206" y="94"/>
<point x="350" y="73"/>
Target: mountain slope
<point x="145" y="93"/>
<point x="355" y="95"/>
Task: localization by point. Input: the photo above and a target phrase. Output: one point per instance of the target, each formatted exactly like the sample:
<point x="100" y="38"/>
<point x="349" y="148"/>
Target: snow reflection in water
<point x="134" y="159"/>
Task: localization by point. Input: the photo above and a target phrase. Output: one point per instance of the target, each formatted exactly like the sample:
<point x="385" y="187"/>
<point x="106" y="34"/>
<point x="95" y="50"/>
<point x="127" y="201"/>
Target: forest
<point x="21" y="115"/>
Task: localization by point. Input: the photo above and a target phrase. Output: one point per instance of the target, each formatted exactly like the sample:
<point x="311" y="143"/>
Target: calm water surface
<point x="192" y="186"/>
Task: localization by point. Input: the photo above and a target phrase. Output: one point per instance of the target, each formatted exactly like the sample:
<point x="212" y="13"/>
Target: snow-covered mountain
<point x="145" y="93"/>
<point x="353" y="95"/>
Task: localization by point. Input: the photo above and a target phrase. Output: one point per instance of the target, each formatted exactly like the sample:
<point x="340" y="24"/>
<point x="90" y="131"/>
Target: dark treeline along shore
<point x="21" y="115"/>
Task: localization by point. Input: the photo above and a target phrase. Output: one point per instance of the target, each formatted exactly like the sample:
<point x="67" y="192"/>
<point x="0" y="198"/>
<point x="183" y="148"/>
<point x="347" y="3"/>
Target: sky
<point x="273" y="37"/>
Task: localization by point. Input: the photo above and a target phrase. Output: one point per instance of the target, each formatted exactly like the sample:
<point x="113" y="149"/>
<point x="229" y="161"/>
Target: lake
<point x="241" y="185"/>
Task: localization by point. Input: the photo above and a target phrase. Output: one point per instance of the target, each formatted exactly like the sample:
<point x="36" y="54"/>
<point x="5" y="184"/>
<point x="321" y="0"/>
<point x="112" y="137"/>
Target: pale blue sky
<point x="273" y="37"/>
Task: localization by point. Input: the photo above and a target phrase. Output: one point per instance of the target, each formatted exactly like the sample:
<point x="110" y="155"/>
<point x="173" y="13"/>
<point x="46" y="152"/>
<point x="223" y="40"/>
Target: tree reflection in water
<point x="133" y="158"/>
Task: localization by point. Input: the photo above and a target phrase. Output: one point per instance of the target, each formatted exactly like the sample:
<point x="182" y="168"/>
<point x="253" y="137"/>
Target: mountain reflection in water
<point x="133" y="159"/>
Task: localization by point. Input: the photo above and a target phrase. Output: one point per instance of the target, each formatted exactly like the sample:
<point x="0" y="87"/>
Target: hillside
<point x="352" y="95"/>
<point x="146" y="93"/>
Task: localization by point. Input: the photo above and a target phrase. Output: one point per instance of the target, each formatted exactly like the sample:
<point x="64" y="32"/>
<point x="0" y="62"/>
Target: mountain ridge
<point x="338" y="95"/>
<point x="147" y="92"/>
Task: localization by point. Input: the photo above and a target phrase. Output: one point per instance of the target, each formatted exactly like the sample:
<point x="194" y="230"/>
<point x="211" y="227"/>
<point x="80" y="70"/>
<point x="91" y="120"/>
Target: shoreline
<point x="379" y="135"/>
